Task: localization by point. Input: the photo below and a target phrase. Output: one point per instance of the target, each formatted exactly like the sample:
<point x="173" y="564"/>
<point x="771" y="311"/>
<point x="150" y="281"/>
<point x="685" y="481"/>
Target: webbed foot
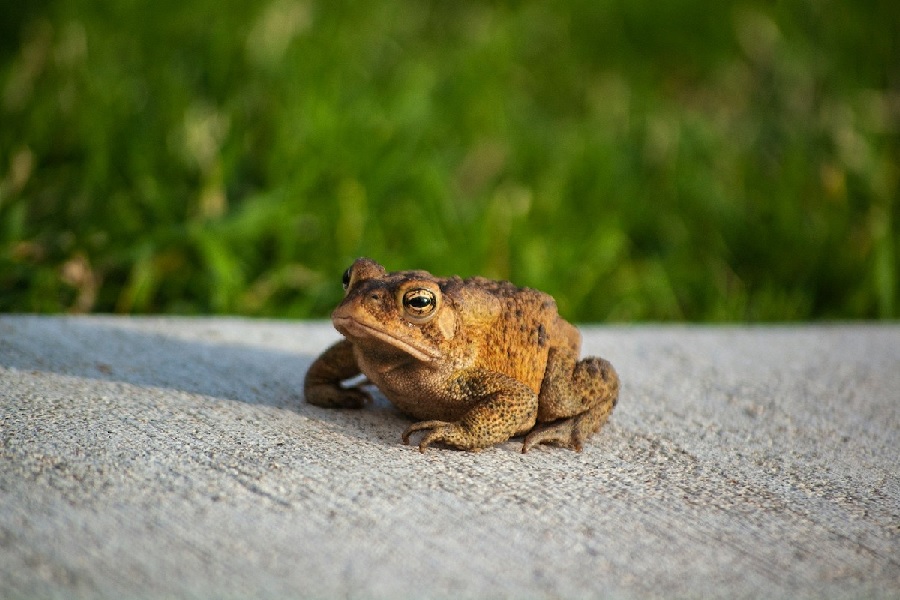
<point x="571" y="432"/>
<point x="440" y="431"/>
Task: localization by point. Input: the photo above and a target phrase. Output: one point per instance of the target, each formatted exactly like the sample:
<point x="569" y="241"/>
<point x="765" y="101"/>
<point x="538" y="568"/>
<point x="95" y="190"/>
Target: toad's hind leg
<point x="576" y="399"/>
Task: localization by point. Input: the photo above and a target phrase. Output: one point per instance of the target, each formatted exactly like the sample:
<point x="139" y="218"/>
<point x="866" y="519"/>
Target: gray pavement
<point x="175" y="458"/>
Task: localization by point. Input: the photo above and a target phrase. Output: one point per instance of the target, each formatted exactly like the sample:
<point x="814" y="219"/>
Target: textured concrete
<point x="175" y="458"/>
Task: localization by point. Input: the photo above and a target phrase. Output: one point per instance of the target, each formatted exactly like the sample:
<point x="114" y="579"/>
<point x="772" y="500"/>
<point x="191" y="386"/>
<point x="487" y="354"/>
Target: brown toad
<point x="477" y="361"/>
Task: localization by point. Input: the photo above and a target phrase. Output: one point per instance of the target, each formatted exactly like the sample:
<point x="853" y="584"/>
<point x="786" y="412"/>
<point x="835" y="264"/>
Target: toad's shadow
<point x="116" y="352"/>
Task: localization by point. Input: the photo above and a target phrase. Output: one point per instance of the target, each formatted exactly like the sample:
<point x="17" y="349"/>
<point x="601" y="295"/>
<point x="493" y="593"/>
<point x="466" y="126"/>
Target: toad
<point x="474" y="361"/>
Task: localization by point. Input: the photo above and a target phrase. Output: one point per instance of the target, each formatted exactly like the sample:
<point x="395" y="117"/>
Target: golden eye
<point x="345" y="280"/>
<point x="419" y="302"/>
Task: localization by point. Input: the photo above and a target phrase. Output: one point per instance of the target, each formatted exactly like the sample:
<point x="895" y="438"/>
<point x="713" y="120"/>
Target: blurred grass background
<point x="685" y="160"/>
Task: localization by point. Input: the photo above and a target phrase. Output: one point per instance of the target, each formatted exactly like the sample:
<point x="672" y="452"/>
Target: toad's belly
<point x="430" y="390"/>
<point x="419" y="392"/>
<point x="424" y="398"/>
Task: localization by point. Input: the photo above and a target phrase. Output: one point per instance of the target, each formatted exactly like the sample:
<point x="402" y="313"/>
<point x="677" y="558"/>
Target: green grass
<point x="640" y="161"/>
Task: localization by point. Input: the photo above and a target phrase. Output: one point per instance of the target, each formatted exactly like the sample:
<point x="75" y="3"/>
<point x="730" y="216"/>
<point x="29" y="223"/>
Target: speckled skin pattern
<point x="476" y="361"/>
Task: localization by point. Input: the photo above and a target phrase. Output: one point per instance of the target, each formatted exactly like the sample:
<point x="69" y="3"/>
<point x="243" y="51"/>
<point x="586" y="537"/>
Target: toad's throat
<point x="354" y="329"/>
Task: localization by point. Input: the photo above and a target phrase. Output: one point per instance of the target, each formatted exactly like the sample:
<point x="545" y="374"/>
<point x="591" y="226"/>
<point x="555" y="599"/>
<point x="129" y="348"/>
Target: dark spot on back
<point x="541" y="336"/>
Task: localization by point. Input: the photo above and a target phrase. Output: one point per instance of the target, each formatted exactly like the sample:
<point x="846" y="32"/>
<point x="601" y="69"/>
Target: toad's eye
<point x="345" y="280"/>
<point x="419" y="302"/>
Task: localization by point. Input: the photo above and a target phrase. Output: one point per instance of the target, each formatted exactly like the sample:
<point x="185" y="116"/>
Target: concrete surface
<point x="175" y="458"/>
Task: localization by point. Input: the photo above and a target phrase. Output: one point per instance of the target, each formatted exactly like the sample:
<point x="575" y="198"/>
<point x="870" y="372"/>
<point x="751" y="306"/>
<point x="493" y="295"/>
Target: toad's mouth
<point x="354" y="329"/>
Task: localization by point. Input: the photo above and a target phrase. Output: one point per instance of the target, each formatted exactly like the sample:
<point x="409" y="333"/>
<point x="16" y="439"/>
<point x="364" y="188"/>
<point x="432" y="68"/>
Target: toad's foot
<point x="571" y="432"/>
<point x="452" y="434"/>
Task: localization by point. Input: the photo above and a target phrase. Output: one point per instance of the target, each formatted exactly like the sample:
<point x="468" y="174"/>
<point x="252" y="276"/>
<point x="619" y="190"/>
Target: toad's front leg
<point x="322" y="385"/>
<point x="503" y="407"/>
